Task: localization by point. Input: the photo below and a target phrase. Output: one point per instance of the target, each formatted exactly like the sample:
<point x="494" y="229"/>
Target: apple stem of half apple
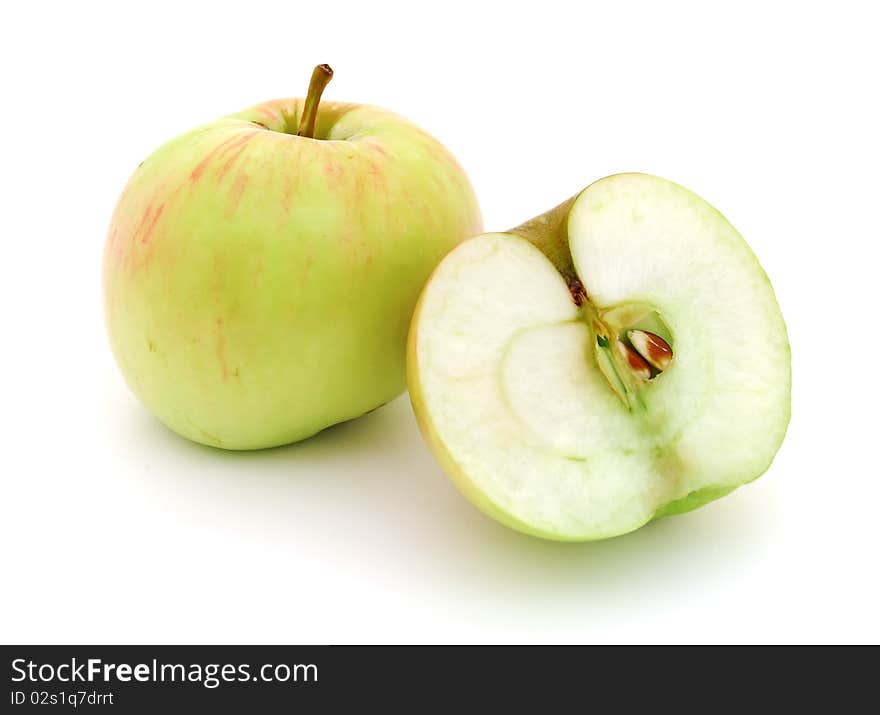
<point x="321" y="76"/>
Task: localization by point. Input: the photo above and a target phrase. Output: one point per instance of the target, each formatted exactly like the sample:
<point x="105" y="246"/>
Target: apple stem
<point x="321" y="76"/>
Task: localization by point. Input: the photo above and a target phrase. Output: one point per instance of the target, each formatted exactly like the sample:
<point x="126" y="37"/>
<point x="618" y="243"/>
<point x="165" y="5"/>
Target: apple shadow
<point x="368" y="495"/>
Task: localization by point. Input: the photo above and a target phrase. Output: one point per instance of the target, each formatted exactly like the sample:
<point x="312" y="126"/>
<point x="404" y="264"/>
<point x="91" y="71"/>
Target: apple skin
<point x="258" y="286"/>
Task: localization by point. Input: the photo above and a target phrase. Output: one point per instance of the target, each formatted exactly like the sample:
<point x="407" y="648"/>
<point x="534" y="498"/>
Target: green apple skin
<point x="258" y="286"/>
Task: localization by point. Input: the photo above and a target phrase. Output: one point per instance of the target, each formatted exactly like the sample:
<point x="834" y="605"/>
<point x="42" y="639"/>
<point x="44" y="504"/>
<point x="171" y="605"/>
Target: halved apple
<point x="619" y="358"/>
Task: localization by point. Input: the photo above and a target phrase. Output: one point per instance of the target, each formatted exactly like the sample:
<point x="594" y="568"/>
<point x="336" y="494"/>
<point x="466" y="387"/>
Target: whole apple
<point x="261" y="271"/>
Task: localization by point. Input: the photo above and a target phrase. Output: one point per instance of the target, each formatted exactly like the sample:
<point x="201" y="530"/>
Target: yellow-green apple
<point x="261" y="270"/>
<point x="620" y="358"/>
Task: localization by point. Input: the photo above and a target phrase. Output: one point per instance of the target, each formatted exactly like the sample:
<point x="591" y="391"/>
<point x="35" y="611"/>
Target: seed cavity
<point x="629" y="352"/>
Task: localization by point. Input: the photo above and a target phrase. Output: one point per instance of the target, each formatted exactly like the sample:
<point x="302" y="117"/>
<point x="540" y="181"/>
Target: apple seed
<point x="640" y="368"/>
<point x="652" y="348"/>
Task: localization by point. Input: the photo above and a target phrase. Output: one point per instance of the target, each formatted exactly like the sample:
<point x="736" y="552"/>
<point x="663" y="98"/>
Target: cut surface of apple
<point x="619" y="358"/>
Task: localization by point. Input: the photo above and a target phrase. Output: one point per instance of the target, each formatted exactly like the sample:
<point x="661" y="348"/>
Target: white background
<point x="116" y="530"/>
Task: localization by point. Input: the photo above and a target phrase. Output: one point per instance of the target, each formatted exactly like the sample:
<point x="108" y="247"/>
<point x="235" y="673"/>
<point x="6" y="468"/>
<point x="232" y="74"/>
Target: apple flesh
<point x="258" y="285"/>
<point x="537" y="373"/>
